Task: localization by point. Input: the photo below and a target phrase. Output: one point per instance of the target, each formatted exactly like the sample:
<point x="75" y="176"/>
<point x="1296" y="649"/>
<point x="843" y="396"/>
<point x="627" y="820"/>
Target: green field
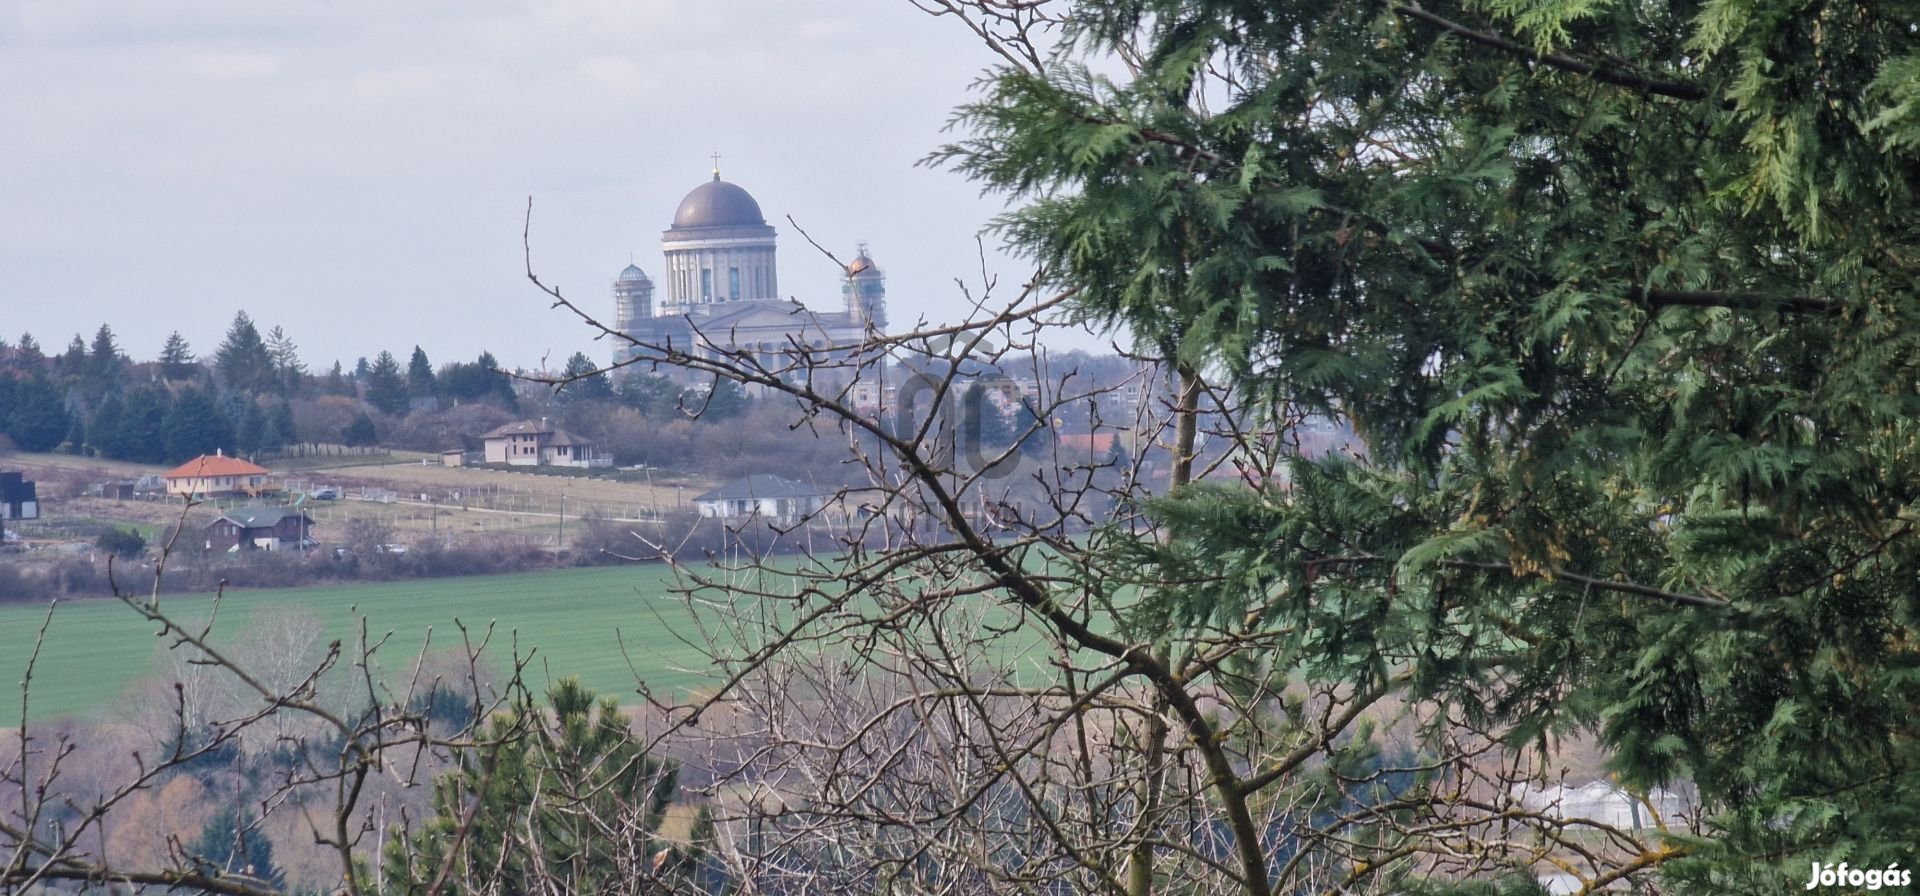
<point x="96" y="650"/>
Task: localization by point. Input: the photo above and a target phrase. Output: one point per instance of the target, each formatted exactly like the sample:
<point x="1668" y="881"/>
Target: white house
<point x="763" y="495"/>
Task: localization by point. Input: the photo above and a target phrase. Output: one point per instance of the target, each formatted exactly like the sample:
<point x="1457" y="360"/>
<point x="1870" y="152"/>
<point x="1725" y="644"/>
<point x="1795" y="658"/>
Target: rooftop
<point x="216" y="464"/>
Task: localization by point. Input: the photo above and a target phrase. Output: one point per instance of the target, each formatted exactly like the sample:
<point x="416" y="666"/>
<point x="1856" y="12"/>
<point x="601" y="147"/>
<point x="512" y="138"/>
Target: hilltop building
<point x="538" y="443"/>
<point x="217" y="476"/>
<point x="720" y="288"/>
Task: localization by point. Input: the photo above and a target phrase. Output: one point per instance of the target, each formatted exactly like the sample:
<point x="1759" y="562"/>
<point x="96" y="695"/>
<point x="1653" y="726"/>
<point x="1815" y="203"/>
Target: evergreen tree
<point x="360" y="432"/>
<point x="129" y="427"/>
<point x="477" y="381"/>
<point x="250" y="430"/>
<point x="386" y="390"/>
<point x="336" y="383"/>
<point x="724" y="400"/>
<point x="420" y="379"/>
<point x="106" y="364"/>
<point x="37" y="418"/>
<point x="560" y="800"/>
<point x="1621" y="300"/>
<point x="27" y="356"/>
<point x="290" y="373"/>
<point x="502" y="383"/>
<point x="243" y="360"/>
<point x="176" y="359"/>
<point x="281" y="430"/>
<point x="109" y="423"/>
<point x="142" y="436"/>
<point x="653" y="395"/>
<point x="585" y="382"/>
<point x="194" y="425"/>
<point x="72" y="365"/>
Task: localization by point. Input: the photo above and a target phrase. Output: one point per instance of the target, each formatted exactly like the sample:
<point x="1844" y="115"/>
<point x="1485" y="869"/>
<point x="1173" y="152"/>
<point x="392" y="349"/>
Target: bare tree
<point x="338" y="734"/>
<point x="983" y="668"/>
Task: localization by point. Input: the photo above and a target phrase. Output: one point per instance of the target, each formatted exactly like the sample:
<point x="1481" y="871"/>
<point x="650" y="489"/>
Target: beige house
<point x="531" y="443"/>
<point x="217" y="476"/>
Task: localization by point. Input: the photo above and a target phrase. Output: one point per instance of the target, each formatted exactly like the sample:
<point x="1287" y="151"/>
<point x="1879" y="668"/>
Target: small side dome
<point x="717" y="203"/>
<point x="633" y="274"/>
<point x="862" y="264"/>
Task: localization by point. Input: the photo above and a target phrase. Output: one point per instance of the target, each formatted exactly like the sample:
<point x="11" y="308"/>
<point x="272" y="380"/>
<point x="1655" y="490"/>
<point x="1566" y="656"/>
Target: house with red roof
<point x="217" y="476"/>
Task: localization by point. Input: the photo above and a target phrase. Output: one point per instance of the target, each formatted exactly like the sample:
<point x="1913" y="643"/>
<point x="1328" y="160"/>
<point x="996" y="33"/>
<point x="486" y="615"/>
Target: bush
<point x="125" y="543"/>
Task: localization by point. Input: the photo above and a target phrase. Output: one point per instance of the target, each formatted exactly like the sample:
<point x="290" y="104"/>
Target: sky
<point x="358" y="171"/>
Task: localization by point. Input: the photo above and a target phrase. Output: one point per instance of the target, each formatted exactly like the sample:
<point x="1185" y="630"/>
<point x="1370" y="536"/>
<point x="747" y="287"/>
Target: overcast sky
<point x="356" y="171"/>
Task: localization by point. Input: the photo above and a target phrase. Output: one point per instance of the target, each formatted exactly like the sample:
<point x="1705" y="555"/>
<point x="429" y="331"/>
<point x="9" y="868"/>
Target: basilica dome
<point x="717" y="203"/>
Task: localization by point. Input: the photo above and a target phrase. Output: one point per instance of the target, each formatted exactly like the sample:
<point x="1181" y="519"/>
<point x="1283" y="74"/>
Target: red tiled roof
<point x="215" y="465"/>
<point x="1095" y="443"/>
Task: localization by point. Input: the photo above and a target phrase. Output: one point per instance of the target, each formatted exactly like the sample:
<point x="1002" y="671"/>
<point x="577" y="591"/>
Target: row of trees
<point x="249" y="363"/>
<point x="93" y="399"/>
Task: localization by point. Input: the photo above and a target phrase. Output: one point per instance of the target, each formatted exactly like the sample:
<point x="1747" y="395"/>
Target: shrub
<point x="121" y="543"/>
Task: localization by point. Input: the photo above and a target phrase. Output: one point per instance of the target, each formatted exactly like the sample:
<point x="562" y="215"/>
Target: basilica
<point x="720" y="289"/>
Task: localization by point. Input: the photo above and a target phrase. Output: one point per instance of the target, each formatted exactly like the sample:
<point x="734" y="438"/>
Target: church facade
<point x="719" y="292"/>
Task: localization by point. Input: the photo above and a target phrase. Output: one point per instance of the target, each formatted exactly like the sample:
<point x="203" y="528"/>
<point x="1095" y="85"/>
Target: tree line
<point x="94" y="399"/>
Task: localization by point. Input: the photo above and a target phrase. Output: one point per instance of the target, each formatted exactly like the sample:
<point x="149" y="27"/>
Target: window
<point x="733" y="283"/>
<point x="706" y="284"/>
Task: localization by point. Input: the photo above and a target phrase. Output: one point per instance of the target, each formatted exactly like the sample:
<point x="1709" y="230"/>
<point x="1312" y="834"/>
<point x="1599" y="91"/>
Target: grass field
<point x="96" y="650"/>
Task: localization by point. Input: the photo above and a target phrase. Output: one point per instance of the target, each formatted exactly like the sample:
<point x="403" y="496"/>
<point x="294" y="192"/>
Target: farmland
<point x="573" y="621"/>
<point x="413" y="498"/>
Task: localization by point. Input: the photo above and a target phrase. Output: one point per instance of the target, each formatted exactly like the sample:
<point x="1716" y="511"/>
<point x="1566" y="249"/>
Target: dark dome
<point x="633" y="274"/>
<point x="717" y="203"/>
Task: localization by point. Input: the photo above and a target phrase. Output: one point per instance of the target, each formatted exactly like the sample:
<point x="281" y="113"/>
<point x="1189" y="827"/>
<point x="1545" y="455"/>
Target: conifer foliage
<point x="564" y="802"/>
<point x="1622" y="298"/>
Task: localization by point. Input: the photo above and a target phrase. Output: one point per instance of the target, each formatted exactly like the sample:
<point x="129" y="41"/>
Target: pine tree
<point x="336" y="383"/>
<point x="502" y="383"/>
<point x="585" y="382"/>
<point x="250" y="429"/>
<point x="27" y="356"/>
<point x="72" y="365"/>
<point x="194" y="425"/>
<point x="105" y="364"/>
<point x="243" y="360"/>
<point x="654" y="396"/>
<point x="360" y="432"/>
<point x="37" y="419"/>
<point x="420" y="379"/>
<point x="290" y="373"/>
<point x="176" y="359"/>
<point x="281" y="430"/>
<point x="562" y="799"/>
<point x="724" y="400"/>
<point x="386" y="390"/>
